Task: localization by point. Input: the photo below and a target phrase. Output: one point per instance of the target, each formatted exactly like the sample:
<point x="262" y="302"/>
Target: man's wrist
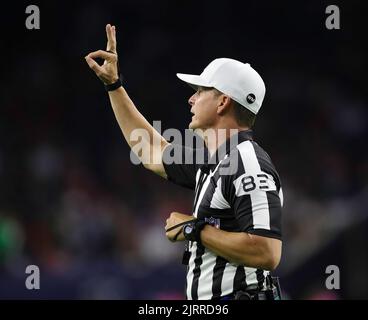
<point x="192" y="231"/>
<point x="111" y="81"/>
<point x="114" y="85"/>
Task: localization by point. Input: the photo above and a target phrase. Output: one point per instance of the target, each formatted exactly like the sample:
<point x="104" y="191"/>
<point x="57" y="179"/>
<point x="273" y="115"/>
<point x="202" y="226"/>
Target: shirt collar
<point x="225" y="149"/>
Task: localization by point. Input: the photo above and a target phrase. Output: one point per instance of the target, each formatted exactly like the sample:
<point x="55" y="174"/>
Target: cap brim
<point x="193" y="80"/>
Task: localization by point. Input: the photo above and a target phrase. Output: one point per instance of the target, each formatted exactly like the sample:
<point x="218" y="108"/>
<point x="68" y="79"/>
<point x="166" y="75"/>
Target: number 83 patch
<point x="246" y="183"/>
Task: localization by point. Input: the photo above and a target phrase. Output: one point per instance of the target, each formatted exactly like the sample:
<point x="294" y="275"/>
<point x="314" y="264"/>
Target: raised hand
<point x="108" y="72"/>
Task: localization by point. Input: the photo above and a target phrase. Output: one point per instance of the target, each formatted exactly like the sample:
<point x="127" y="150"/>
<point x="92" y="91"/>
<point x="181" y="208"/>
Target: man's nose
<point x="191" y="100"/>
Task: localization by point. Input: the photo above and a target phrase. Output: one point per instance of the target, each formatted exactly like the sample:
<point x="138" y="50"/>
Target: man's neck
<point x="214" y="138"/>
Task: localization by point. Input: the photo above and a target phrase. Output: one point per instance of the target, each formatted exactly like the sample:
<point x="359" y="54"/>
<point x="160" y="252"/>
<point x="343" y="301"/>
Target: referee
<point x="234" y="233"/>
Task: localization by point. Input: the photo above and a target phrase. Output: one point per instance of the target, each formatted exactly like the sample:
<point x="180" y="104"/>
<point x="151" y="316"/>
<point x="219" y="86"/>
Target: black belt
<point x="246" y="295"/>
<point x="272" y="292"/>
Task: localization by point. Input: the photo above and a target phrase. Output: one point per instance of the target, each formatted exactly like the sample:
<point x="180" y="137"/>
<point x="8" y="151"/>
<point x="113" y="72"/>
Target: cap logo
<point x="251" y="98"/>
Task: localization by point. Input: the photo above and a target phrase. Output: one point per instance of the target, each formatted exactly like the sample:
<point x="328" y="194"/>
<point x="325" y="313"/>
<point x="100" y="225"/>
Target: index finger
<point x="111" y="38"/>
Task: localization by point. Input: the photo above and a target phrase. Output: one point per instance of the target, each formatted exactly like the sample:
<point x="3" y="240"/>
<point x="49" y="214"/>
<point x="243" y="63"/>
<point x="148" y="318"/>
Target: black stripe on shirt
<point x="239" y="279"/>
<point x="260" y="278"/>
<point x="266" y="164"/>
<point x="274" y="207"/>
<point x="218" y="273"/>
<point x="197" y="271"/>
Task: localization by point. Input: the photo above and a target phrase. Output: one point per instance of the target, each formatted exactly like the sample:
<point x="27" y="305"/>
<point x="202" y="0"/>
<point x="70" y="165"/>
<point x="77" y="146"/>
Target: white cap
<point x="236" y="79"/>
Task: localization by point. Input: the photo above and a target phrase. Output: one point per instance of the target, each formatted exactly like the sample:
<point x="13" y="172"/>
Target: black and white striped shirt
<point x="246" y="198"/>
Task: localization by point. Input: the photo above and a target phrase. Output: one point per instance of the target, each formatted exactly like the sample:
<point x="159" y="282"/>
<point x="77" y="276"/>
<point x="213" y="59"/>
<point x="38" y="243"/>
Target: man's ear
<point x="224" y="104"/>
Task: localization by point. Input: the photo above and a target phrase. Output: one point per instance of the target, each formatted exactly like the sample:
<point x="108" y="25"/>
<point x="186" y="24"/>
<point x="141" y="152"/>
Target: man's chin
<point x="192" y="126"/>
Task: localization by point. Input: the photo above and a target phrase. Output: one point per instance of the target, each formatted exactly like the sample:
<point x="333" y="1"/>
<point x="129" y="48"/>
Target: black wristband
<point x="195" y="230"/>
<point x="114" y="86"/>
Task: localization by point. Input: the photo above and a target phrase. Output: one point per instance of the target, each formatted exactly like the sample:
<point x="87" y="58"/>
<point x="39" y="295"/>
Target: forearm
<point x="145" y="142"/>
<point x="130" y="119"/>
<point x="241" y="248"/>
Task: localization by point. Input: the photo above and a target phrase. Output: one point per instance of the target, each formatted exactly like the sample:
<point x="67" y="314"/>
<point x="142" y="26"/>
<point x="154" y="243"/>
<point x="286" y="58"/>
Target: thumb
<point x="93" y="64"/>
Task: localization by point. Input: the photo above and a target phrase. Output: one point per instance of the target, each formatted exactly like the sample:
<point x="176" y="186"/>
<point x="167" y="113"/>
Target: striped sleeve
<point x="182" y="163"/>
<point x="254" y="191"/>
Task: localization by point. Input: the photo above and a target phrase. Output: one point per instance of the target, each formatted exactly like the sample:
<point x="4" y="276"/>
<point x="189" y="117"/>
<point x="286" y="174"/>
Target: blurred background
<point x="71" y="201"/>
